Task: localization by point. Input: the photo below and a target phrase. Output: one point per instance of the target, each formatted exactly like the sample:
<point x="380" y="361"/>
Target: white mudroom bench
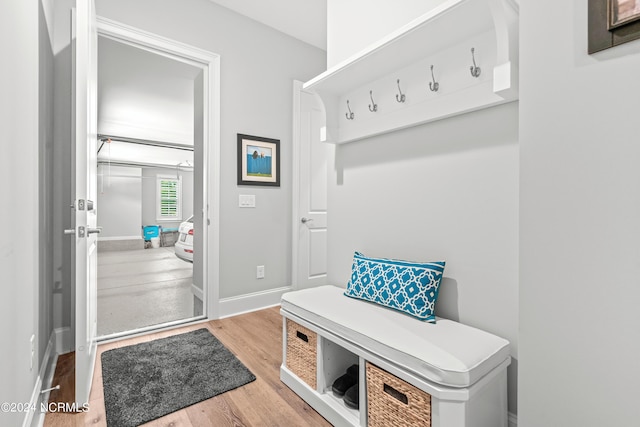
<point x="437" y="375"/>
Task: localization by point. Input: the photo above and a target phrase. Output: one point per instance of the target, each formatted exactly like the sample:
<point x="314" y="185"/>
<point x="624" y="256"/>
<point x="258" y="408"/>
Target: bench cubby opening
<point x="333" y="362"/>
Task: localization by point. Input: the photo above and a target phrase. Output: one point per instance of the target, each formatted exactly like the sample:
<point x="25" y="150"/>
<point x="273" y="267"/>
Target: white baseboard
<point x="197" y="292"/>
<point x="251" y="302"/>
<point x="35" y="417"/>
<point x="513" y="420"/>
<point x="62" y="340"/>
<point x="108" y="239"/>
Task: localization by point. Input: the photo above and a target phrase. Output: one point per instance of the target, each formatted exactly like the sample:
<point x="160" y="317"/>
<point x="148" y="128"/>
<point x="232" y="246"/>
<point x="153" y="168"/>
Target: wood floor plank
<point x="263" y="356"/>
<point x="256" y="339"/>
<point x="65" y="372"/>
<point x="175" y="419"/>
<point x="215" y="412"/>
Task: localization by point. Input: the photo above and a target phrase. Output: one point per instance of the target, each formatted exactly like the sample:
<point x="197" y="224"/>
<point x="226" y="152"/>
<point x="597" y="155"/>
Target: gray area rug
<point x="146" y="381"/>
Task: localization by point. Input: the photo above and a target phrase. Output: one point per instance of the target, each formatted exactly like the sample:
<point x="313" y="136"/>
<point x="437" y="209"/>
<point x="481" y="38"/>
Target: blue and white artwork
<point x="259" y="161"/>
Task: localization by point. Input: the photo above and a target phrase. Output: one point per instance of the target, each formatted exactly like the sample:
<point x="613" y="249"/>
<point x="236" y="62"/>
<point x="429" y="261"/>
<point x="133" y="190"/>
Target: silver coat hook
<point x="475" y="70"/>
<point x="373" y="108"/>
<point x="400" y="96"/>
<point x="434" y="86"/>
<point x="350" y="114"/>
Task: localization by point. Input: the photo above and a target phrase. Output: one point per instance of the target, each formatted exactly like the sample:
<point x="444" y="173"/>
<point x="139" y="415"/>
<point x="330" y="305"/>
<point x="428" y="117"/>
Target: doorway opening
<point x="155" y="136"/>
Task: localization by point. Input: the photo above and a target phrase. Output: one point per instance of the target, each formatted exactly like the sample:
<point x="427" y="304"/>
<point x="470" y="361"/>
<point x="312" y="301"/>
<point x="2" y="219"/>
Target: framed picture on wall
<point x="622" y="12"/>
<point x="258" y="160"/>
<point x="612" y="23"/>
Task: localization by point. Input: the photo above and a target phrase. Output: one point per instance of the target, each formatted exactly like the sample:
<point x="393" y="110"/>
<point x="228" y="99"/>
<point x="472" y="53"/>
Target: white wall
<point x="352" y="25"/>
<point x="442" y="191"/>
<point x="144" y="95"/>
<point x="22" y="27"/>
<point x="127" y="199"/>
<point x="150" y="194"/>
<point x="258" y="65"/>
<point x="445" y="190"/>
<point x="119" y="201"/>
<point x="580" y="228"/>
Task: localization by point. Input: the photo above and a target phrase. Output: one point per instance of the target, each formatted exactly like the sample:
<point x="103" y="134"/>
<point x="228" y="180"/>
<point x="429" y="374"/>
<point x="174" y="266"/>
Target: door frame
<point x="295" y="168"/>
<point x="209" y="62"/>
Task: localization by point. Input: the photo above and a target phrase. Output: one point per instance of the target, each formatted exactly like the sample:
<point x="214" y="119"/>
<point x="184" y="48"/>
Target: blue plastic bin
<point x="150" y="231"/>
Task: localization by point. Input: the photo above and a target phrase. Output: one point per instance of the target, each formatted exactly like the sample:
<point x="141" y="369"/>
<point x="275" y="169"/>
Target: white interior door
<point x="85" y="188"/>
<point x="310" y="185"/>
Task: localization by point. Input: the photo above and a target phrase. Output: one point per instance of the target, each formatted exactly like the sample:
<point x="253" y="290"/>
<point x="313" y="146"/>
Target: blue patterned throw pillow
<point x="411" y="287"/>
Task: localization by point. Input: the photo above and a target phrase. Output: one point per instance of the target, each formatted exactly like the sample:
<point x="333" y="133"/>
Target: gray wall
<point x="579" y="223"/>
<point x="119" y="201"/>
<point x="62" y="164"/>
<point x="25" y="120"/>
<point x="149" y="195"/>
<point x="258" y="65"/>
<point x="443" y="191"/>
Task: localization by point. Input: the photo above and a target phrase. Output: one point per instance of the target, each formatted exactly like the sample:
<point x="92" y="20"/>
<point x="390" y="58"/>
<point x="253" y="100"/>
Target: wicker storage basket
<point x="301" y="352"/>
<point x="393" y="402"/>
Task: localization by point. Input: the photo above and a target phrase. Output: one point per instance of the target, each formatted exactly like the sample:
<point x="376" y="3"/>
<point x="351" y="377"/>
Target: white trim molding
<point x="113" y="238"/>
<point x="197" y="292"/>
<point x="121" y="128"/>
<point x="295" y="168"/>
<point x="234" y="306"/>
<point x="62" y="340"/>
<point x="35" y="417"/>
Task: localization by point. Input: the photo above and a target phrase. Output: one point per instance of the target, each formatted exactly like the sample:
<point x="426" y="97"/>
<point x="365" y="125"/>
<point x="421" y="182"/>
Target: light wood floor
<point x="256" y="339"/>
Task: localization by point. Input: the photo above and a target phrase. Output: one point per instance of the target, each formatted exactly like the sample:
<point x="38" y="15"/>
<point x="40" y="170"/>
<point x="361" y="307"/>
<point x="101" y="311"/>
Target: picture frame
<point x="623" y="12"/>
<point x="258" y="160"/>
<point x="612" y="23"/>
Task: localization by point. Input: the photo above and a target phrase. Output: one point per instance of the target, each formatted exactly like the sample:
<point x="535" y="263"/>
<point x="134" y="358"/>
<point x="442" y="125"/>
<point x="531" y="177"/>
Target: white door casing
<point x="310" y="157"/>
<point x="84" y="190"/>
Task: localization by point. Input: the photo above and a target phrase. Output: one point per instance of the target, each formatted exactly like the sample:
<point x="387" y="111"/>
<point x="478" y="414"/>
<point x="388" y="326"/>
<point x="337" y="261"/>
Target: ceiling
<point x="145" y="96"/>
<point x="304" y="20"/>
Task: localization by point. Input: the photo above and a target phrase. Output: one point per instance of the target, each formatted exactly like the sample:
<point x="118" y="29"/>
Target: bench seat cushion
<point x="446" y="352"/>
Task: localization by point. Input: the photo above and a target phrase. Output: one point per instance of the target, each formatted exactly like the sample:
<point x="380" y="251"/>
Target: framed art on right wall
<point x="622" y="12"/>
<point x="612" y="23"/>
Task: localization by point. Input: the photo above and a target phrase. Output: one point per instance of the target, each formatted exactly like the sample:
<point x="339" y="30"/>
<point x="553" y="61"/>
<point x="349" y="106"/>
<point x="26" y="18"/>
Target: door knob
<point x="305" y="220"/>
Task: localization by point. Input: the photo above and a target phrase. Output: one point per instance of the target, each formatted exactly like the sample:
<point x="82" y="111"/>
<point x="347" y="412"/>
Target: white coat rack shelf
<point x="462" y="56"/>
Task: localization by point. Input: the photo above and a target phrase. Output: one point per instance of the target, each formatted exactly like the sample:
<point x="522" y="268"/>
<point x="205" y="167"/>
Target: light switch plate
<point x="247" y="200"/>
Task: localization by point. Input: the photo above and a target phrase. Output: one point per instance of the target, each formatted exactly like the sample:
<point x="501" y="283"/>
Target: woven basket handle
<point x="302" y="336"/>
<point x="398" y="395"/>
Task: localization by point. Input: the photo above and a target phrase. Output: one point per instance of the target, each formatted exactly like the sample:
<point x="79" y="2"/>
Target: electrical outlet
<point x="260" y="272"/>
<point x="33" y="350"/>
